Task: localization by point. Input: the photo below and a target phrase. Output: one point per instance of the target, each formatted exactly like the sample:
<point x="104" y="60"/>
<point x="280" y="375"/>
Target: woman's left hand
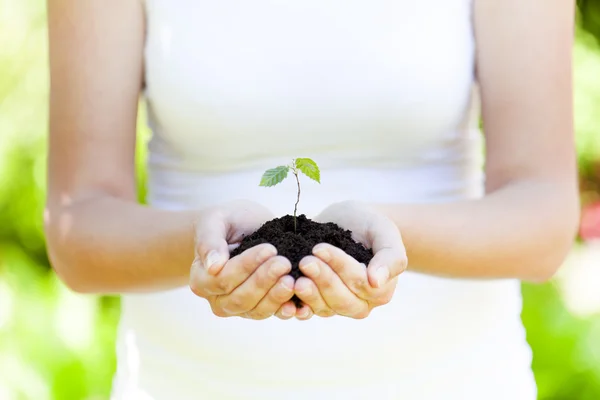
<point x="335" y="283"/>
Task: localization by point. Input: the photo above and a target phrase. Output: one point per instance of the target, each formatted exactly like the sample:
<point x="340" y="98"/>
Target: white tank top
<point x="382" y="95"/>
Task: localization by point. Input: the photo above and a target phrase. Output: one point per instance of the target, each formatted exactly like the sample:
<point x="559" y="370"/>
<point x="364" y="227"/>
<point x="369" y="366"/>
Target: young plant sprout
<point x="276" y="175"/>
<point x="307" y="233"/>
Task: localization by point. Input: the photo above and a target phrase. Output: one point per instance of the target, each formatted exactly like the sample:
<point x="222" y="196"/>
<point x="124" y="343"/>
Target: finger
<point x="211" y="249"/>
<point x="335" y="293"/>
<point x="304" y="313"/>
<point x="383" y="233"/>
<point x="389" y="258"/>
<point x="249" y="293"/>
<point x="235" y="272"/>
<point x="286" y="311"/>
<point x="275" y="299"/>
<point x="308" y="292"/>
<point x="350" y="271"/>
<point x="238" y="269"/>
<point x="196" y="271"/>
<point x="386" y="265"/>
<point x="384" y="294"/>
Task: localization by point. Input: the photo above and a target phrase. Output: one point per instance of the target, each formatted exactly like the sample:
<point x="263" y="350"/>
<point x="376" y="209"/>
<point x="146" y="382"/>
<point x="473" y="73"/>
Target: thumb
<point x="244" y="219"/>
<point x="389" y="258"/>
<point x="212" y="250"/>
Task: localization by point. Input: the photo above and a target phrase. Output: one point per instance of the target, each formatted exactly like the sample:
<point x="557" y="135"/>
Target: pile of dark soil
<point x="294" y="246"/>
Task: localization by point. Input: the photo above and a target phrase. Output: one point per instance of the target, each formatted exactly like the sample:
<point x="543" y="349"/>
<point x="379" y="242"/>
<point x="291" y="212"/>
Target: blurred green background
<point x="55" y="344"/>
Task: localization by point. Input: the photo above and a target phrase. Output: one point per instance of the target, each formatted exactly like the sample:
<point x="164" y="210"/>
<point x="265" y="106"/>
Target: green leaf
<point x="273" y="176"/>
<point x="309" y="168"/>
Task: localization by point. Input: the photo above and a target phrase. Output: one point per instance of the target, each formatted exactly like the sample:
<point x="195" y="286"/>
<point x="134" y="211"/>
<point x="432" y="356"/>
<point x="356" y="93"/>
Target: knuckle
<point x="358" y="285"/>
<point x="248" y="264"/>
<point x="236" y="304"/>
<point x="262" y="280"/>
<point x="326" y="282"/>
<point x="337" y="263"/>
<point x="223" y="286"/>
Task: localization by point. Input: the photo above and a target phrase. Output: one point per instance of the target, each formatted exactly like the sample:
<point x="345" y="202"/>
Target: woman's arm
<point x="99" y="239"/>
<point x="526" y="223"/>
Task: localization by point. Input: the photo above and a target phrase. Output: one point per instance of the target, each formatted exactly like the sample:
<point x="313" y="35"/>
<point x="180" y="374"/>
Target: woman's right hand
<point x="255" y="284"/>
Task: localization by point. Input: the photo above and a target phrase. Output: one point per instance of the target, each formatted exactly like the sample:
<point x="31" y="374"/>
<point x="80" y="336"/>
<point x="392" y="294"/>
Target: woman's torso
<point x="381" y="94"/>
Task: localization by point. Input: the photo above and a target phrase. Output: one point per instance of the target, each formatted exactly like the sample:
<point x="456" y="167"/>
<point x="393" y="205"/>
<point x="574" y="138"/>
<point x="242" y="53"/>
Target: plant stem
<point x="298" y="199"/>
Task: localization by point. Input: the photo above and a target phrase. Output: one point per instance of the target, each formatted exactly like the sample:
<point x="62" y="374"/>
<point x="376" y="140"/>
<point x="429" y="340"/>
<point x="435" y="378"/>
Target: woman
<point x="385" y="96"/>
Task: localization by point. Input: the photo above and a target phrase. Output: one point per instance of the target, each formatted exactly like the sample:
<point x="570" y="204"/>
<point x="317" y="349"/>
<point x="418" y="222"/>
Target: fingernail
<point x="265" y="254"/>
<point x="277" y="269"/>
<point x="212" y="258"/>
<point x="322" y="253"/>
<point x="287" y="285"/>
<point x="286" y="312"/>
<point x="311" y="269"/>
<point x="303" y="313"/>
<point x="382" y="275"/>
<point x="307" y="291"/>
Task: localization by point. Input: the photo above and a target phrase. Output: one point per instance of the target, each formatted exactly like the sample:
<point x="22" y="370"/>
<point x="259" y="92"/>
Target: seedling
<point x="307" y="233"/>
<point x="276" y="175"/>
